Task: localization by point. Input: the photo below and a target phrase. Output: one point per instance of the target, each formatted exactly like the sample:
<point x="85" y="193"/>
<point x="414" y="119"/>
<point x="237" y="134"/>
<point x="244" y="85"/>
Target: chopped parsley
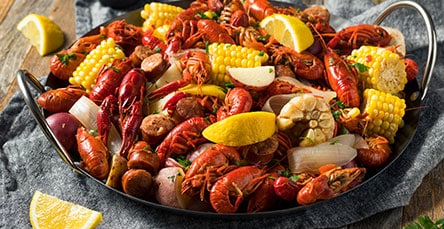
<point x="295" y="178"/>
<point x="183" y="161"/>
<point x="115" y="69"/>
<point x="360" y="67"/>
<point x="64" y="58"/>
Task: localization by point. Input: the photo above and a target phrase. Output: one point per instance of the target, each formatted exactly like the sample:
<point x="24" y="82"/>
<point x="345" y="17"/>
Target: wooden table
<point x="17" y="52"/>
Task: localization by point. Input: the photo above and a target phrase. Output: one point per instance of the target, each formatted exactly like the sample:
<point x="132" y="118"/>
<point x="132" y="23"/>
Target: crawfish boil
<point x="207" y="108"/>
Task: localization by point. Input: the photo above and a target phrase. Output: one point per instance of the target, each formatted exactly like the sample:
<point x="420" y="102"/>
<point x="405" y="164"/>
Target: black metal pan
<point x="415" y="93"/>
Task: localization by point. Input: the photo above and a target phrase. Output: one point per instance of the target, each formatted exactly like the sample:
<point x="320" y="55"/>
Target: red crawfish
<point x="130" y="98"/>
<point x="185" y="136"/>
<point x="377" y="153"/>
<point x="329" y="184"/>
<point x="153" y="42"/>
<point x="60" y="99"/>
<point x="124" y="34"/>
<point x="107" y="110"/>
<point x="209" y="31"/>
<point x="342" y="79"/>
<point x="130" y="126"/>
<point x="353" y="37"/>
<point x="183" y="26"/>
<point x="207" y="167"/>
<point x="305" y="64"/>
<point x="287" y="188"/>
<point x="234" y="14"/>
<point x="237" y="100"/>
<point x="232" y="188"/>
<point x="65" y="62"/>
<point x="259" y="9"/>
<point x="94" y="154"/>
<point x="109" y="79"/>
<point x="265" y="198"/>
<point x="131" y="89"/>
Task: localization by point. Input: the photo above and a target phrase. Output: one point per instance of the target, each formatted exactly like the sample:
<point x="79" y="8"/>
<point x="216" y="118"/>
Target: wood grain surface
<point x="17" y="52"/>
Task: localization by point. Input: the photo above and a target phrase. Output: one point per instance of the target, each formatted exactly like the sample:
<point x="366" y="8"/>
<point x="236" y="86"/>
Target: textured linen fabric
<point x="28" y="162"/>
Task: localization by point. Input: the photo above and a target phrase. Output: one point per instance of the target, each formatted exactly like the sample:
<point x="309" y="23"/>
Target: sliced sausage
<point x="144" y="159"/>
<point x="186" y="108"/>
<point x="137" y="182"/>
<point x="140" y="53"/>
<point x="154" y="66"/>
<point x="155" y="127"/>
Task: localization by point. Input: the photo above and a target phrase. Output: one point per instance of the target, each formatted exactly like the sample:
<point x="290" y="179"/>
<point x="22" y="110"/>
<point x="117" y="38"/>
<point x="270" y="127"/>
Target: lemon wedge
<point x="242" y="129"/>
<point x="42" y="32"/>
<point x="50" y="212"/>
<point x="289" y="31"/>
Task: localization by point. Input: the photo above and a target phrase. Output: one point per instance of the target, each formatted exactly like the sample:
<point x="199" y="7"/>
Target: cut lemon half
<point x="289" y="31"/>
<point x="50" y="212"/>
<point x="42" y="32"/>
<point x="242" y="129"/>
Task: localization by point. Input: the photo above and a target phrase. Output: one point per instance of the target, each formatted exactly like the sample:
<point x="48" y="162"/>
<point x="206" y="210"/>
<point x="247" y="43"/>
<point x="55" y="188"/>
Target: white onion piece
<point x="195" y="153"/>
<point x="173" y="73"/>
<point x="354" y="140"/>
<point x="326" y="95"/>
<point x="85" y="110"/>
<point x="310" y="159"/>
<point x="346" y="139"/>
<point x="397" y="40"/>
<point x="157" y="106"/>
<point x="275" y="103"/>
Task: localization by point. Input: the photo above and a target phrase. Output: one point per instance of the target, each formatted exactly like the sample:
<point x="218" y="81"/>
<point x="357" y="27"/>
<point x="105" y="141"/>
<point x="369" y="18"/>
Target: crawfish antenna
<point x="324" y="45"/>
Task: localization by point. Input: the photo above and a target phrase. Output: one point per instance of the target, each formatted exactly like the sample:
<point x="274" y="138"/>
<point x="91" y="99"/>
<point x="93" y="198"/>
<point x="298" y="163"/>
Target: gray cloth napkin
<point x="29" y="163"/>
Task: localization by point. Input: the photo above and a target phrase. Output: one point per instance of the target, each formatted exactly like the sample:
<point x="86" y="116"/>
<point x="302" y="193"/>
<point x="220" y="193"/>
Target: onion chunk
<point x="338" y="151"/>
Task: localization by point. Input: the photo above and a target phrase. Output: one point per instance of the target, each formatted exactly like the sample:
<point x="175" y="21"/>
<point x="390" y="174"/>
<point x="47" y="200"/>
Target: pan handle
<point x="431" y="33"/>
<point x="24" y="79"/>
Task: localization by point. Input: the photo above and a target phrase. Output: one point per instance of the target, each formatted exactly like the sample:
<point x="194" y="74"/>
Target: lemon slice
<point x="289" y="31"/>
<point x="50" y="212"/>
<point x="242" y="129"/>
<point x="42" y="32"/>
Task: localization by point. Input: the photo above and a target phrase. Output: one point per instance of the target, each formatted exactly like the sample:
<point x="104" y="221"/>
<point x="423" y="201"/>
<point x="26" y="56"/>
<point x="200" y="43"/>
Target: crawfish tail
<point x="259" y="9"/>
<point x="105" y="117"/>
<point x="109" y="79"/>
<point x="235" y="185"/>
<point x="61" y="99"/>
<point x="342" y="79"/>
<point x="130" y="126"/>
<point x="94" y="154"/>
<point x="132" y="88"/>
<point x="185" y="136"/>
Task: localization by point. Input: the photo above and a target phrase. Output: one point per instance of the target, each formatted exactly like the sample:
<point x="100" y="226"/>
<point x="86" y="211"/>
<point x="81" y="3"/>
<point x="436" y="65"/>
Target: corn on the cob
<point x="384" y="113"/>
<point x="158" y="14"/>
<point x="224" y="56"/>
<point x="386" y="69"/>
<point x="104" y="54"/>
